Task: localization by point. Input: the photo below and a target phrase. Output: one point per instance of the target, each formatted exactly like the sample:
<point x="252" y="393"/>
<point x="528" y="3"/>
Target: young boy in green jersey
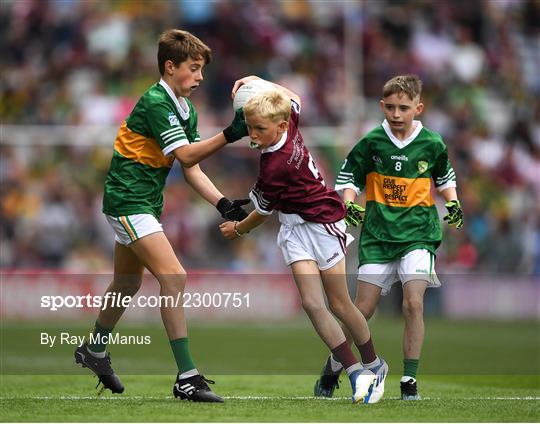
<point x="395" y="163"/>
<point x="161" y="128"/>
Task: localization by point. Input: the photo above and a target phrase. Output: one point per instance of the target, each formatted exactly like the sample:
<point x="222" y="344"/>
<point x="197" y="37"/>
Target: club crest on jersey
<point x="173" y="120"/>
<point x="377" y="159"/>
<point x="422" y="166"/>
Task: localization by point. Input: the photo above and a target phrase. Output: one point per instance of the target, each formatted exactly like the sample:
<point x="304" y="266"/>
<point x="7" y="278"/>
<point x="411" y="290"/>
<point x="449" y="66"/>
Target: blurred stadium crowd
<point x="85" y="63"/>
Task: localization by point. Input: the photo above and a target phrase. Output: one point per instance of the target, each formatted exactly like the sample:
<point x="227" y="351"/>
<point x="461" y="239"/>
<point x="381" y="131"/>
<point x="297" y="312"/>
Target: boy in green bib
<point x="396" y="164"/>
<point x="162" y="128"/>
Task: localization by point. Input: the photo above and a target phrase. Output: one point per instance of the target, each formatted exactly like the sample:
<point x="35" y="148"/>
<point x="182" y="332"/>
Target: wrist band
<point x="238" y="234"/>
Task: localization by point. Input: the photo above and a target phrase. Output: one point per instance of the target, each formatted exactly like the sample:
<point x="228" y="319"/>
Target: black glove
<point x="455" y="214"/>
<point x="237" y="129"/>
<point x="232" y="210"/>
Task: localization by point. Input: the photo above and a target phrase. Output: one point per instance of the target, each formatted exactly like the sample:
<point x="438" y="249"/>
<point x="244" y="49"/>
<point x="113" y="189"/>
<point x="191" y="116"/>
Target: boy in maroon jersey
<point x="312" y="235"/>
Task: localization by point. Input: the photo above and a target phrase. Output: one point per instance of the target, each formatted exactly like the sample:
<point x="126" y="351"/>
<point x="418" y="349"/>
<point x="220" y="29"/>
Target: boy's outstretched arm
<point x="232" y="230"/>
<point x="455" y="213"/>
<point x="192" y="154"/>
<point x="200" y="182"/>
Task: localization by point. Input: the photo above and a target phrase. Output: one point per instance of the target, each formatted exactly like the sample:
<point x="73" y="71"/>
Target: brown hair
<point x="411" y="85"/>
<point x="177" y="45"/>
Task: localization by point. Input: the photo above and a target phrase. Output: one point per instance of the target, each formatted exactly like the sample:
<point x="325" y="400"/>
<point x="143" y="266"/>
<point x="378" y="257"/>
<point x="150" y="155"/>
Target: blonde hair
<point x="177" y="45"/>
<point x="411" y="85"/>
<point x="273" y="105"/>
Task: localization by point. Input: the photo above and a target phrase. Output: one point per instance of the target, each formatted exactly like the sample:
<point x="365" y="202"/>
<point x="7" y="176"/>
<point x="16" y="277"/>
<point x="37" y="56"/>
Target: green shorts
<point x="374" y="251"/>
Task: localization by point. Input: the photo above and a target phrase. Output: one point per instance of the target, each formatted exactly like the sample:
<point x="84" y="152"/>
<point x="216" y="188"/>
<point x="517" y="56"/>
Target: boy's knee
<point x="413" y="307"/>
<point x="367" y="308"/>
<point x="172" y="280"/>
<point x="312" y="306"/>
<point x="338" y="308"/>
<point x="127" y="285"/>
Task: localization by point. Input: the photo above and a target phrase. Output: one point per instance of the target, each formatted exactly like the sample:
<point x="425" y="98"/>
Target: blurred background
<point x="73" y="69"/>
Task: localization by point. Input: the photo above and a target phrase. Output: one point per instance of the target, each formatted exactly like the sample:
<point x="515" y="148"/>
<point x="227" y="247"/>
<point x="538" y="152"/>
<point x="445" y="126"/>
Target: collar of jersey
<point x="400" y="144"/>
<point x="276" y="146"/>
<point x="180" y="102"/>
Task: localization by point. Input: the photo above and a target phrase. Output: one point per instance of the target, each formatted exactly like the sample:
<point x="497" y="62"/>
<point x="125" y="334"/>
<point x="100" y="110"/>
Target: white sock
<point x="373" y="364"/>
<point x="97" y="354"/>
<point x="188" y="374"/>
<point x="406" y="378"/>
<point x="353" y="368"/>
<point x="335" y="365"/>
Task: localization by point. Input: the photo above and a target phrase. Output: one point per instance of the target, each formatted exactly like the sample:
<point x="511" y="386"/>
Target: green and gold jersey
<point x="397" y="177"/>
<point x="142" y="159"/>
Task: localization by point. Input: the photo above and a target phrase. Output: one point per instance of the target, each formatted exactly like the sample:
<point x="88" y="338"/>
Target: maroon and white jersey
<point x="290" y="182"/>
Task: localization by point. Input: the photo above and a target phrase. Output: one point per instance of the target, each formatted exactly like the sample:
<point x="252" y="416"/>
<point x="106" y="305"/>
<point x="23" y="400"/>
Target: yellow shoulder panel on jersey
<point x="140" y="149"/>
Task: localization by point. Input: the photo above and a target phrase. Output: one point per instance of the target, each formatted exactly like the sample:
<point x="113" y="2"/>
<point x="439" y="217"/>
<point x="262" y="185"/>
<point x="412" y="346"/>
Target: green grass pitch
<point x="470" y="371"/>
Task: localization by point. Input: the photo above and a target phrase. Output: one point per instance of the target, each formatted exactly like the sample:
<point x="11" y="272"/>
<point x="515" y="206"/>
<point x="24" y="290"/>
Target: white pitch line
<point x="127" y="398"/>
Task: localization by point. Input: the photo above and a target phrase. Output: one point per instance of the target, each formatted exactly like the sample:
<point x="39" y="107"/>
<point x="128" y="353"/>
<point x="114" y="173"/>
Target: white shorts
<point x="300" y="240"/>
<point x="130" y="228"/>
<point x="418" y="264"/>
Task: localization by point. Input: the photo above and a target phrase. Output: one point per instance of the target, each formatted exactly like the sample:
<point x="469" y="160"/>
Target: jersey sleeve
<point x="193" y="124"/>
<point x="165" y="128"/>
<point x="197" y="136"/>
<point x="265" y="195"/>
<point x="194" y="131"/>
<point x="352" y="173"/>
<point x="443" y="173"/>
<point x="295" y="112"/>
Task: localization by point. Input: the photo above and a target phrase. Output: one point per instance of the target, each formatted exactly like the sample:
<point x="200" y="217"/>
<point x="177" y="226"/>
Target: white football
<point x="250" y="89"/>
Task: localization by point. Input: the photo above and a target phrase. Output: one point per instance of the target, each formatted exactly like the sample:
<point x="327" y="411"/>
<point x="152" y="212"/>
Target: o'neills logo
<point x="331" y="258"/>
<point x="402" y="157"/>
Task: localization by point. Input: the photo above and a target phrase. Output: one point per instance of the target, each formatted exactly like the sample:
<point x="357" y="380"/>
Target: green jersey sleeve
<point x="443" y="173"/>
<point x="353" y="170"/>
<point x="193" y="127"/>
<point x="165" y="127"/>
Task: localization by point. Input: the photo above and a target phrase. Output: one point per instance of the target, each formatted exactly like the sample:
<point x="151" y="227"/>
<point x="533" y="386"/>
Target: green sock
<point x="410" y="367"/>
<point x="100" y="335"/>
<point x="182" y="356"/>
